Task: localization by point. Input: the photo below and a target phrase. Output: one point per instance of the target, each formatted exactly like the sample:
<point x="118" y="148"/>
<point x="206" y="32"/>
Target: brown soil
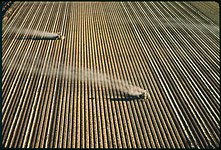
<point x="209" y="9"/>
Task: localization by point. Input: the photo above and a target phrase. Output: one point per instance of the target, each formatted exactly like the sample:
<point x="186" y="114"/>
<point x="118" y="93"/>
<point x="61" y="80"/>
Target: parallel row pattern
<point x="164" y="47"/>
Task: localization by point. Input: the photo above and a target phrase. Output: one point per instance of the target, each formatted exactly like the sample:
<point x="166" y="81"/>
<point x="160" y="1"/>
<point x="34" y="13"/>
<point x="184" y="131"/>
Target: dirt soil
<point x="209" y="9"/>
<point x="8" y="11"/>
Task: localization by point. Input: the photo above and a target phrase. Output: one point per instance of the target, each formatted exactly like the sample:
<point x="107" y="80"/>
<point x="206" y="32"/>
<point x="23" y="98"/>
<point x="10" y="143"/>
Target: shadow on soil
<point x="123" y="99"/>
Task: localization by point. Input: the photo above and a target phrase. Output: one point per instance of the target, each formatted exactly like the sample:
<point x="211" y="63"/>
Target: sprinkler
<point x="59" y="36"/>
<point x="140" y="95"/>
<point x="144" y="95"/>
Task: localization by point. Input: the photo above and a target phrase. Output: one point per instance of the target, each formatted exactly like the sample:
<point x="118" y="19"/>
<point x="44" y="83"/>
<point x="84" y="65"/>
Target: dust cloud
<point x="30" y="34"/>
<point x="84" y="75"/>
